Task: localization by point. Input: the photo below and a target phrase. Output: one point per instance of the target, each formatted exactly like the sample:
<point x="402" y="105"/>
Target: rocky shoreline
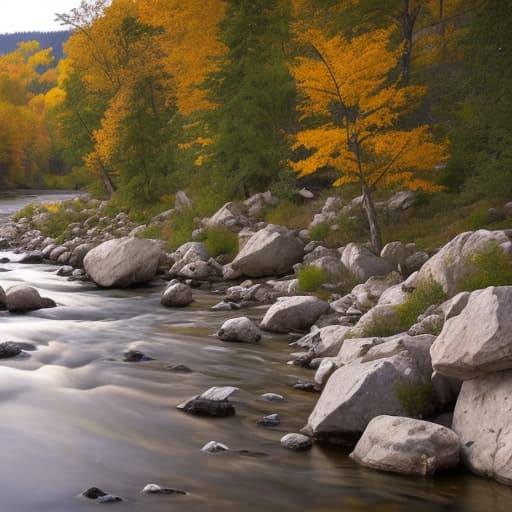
<point x="410" y="398"/>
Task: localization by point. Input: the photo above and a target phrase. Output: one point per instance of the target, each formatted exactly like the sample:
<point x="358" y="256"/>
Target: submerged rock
<point x="272" y="420"/>
<point x="9" y="349"/>
<point x="272" y="397"/>
<point x="22" y="299"/>
<point x="157" y="489"/>
<point x="134" y="356"/>
<point x="212" y="403"/>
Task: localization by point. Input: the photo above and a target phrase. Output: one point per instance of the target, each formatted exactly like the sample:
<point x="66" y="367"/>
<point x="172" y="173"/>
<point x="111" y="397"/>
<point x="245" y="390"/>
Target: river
<point x="74" y="415"/>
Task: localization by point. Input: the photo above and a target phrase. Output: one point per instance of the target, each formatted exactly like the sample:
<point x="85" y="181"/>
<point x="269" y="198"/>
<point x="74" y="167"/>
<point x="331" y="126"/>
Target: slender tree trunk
<point x="373" y="220"/>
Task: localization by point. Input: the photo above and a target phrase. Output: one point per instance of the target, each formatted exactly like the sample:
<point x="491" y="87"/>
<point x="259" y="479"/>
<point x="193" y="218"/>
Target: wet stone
<point x="156" y="489"/>
<point x="210" y="408"/>
<point x="93" y="493"/>
<point x="108" y="498"/>
<point x="305" y="386"/>
<point x="179" y="368"/>
<point x="9" y="349"/>
<point x="296" y="442"/>
<point x="135" y="356"/>
<point x="272" y="420"/>
<point x="272" y="397"/>
<point x="214" y="447"/>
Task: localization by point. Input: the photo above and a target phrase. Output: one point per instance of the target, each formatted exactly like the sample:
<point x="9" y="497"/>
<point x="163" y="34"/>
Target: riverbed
<point x="75" y="415"/>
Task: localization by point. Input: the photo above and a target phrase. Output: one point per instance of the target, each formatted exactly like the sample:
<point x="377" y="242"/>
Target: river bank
<point x="76" y="415"/>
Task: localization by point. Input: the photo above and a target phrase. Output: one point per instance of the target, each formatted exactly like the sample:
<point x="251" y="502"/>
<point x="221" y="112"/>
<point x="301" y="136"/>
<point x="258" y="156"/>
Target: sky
<point x="27" y="15"/>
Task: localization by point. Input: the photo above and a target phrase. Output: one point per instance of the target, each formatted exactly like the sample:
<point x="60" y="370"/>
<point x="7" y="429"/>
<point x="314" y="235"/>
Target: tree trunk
<point x="373" y="220"/>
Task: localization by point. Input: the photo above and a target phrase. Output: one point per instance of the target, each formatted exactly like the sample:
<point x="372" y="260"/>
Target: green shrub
<point x="311" y="278"/>
<point x="417" y="398"/>
<point x="424" y="295"/>
<point x="221" y="241"/>
<point x="27" y="211"/>
<point x="290" y="214"/>
<point x="320" y="231"/>
<point x="492" y="268"/>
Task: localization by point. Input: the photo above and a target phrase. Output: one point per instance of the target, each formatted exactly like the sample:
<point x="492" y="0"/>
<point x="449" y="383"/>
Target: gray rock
<point x="327" y="367"/>
<point x="182" y="201"/>
<point x="296" y="442"/>
<point x="383" y="318"/>
<point x="407" y="446"/>
<point x="177" y="295"/>
<point x="271" y="251"/>
<point x="294" y="314"/>
<point x="229" y="216"/>
<point x="402" y="200"/>
<point x="483" y="421"/>
<point x="272" y="420"/>
<point x="65" y="271"/>
<point x="363" y="264"/>
<point x="431" y="324"/>
<point x="213" y="403"/>
<point x="9" y="349"/>
<point x="3" y="299"/>
<point x="477" y="341"/>
<point x="123" y="262"/>
<point x="239" y="329"/>
<point x="21" y="299"/>
<point x="272" y="397"/>
<point x="395" y="253"/>
<point x="214" y="447"/>
<point x="453" y="262"/>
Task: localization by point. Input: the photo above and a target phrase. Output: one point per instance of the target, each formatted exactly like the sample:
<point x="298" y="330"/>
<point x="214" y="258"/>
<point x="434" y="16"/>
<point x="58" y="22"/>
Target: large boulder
<point x="406" y="445"/>
<point x="382" y="382"/>
<point x="21" y="299"/>
<point x="477" y="341"/>
<point x="363" y="264"/>
<point x="453" y="263"/>
<point x="294" y="314"/>
<point x="123" y="262"/>
<point x="324" y="342"/>
<point x="271" y="251"/>
<point x="483" y="421"/>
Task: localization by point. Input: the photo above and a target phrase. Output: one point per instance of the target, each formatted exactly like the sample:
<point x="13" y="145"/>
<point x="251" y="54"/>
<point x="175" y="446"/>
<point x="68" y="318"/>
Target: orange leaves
<point x="348" y="82"/>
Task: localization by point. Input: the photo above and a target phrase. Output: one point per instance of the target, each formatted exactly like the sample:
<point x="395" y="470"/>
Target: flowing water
<point x="74" y="415"/>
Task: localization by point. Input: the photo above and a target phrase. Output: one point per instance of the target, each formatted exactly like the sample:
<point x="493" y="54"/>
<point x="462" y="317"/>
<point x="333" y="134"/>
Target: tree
<point x="346" y="84"/>
<point x="255" y="95"/>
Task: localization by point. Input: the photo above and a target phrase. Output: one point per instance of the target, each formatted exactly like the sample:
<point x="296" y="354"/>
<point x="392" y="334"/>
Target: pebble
<point x="273" y="397"/>
<point x="305" y="386"/>
<point x="296" y="442"/>
<point x="156" y="489"/>
<point x="272" y="420"/>
<point x="214" y="447"/>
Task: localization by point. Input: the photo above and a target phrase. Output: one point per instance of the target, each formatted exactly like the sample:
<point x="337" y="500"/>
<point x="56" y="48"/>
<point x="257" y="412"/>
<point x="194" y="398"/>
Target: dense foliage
<point x="228" y="97"/>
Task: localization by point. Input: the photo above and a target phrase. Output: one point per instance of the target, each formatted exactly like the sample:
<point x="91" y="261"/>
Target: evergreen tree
<point x="255" y="96"/>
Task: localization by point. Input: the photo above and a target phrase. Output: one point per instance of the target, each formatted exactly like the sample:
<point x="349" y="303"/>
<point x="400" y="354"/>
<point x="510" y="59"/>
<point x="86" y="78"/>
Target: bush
<point x="221" y="241"/>
<point x="290" y="214"/>
<point x="311" y="278"/>
<point x="417" y="398"/>
<point x="320" y="231"/>
<point x="27" y="211"/>
<point x="492" y="268"/>
<point x="424" y="295"/>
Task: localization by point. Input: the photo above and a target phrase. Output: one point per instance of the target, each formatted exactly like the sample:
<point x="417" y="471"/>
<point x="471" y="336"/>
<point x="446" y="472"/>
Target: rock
<point x="229" y="216"/>
<point x="179" y="368"/>
<point x="324" y="342"/>
<point x="296" y="442"/>
<point x="156" y="489"/>
<point x="108" y="498"/>
<point x="294" y="314"/>
<point x="363" y="264"/>
<point x="182" y="201"/>
<point x="379" y="319"/>
<point x="407" y="446"/>
<point x="213" y="402"/>
<point x="239" y="329"/>
<point x="93" y="493"/>
<point x="309" y="387"/>
<point x="214" y="447"/>
<point x="354" y="348"/>
<point x="272" y="420"/>
<point x="483" y="419"/>
<point x="271" y="251"/>
<point x="325" y="370"/>
<point x="21" y="299"/>
<point x="402" y="200"/>
<point x="453" y="262"/>
<point x="123" y="262"/>
<point x="395" y="253"/>
<point x="177" y="295"/>
<point x="225" y="305"/>
<point x="9" y="349"/>
<point x="357" y="392"/>
<point x="272" y="397"/>
<point x="65" y="271"/>
<point x="454" y="306"/>
<point x="32" y="257"/>
<point x="431" y="324"/>
<point x="477" y="341"/>
<point x="3" y="299"/>
<point x="415" y="261"/>
<point x="135" y="356"/>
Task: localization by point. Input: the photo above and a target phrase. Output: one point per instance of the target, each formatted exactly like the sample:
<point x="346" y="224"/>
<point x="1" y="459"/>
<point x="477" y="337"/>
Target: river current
<point x="73" y="414"/>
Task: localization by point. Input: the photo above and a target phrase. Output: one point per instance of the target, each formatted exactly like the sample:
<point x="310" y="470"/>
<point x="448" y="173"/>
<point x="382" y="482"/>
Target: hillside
<point x="54" y="40"/>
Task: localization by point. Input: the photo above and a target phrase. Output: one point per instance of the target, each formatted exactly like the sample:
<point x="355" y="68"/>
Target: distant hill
<point x="55" y="40"/>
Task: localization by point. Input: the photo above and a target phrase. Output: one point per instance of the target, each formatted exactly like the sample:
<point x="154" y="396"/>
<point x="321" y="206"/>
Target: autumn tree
<point x="346" y="85"/>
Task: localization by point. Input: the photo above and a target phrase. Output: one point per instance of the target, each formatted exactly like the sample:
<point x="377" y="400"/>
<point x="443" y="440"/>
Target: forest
<point x="226" y="98"/>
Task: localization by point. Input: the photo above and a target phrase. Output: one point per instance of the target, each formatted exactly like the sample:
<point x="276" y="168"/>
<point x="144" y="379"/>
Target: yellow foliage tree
<point x="347" y="84"/>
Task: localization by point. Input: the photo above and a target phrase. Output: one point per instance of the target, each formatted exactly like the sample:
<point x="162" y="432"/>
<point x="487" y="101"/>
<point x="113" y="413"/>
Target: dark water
<point x="73" y="415"/>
